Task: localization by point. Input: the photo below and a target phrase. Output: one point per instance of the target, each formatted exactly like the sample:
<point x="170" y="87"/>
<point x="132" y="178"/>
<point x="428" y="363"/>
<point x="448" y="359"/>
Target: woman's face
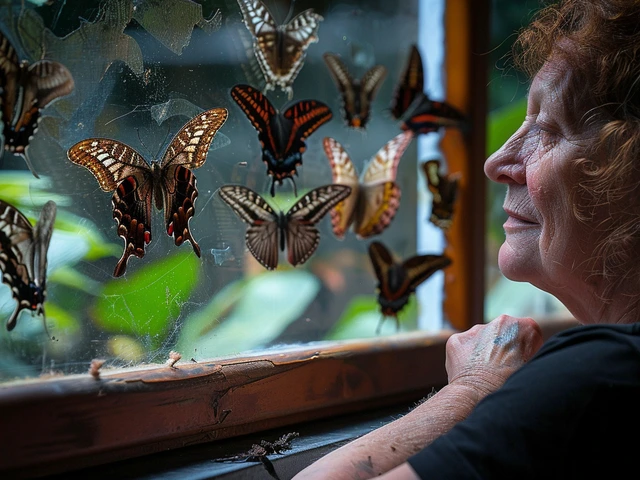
<point x="545" y="244"/>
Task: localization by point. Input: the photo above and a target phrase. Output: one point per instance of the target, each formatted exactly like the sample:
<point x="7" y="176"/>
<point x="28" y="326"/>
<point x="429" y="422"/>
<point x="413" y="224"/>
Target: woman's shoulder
<point x="625" y="337"/>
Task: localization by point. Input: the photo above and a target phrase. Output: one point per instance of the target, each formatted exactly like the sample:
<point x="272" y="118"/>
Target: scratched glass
<point x="142" y="70"/>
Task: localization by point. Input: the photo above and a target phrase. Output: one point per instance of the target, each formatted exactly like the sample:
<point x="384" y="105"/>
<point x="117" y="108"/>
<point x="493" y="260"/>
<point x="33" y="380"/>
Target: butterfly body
<point x="23" y="257"/>
<point x="416" y="111"/>
<point x="25" y="90"/>
<point x="279" y="49"/>
<point x="270" y="231"/>
<point x="169" y="184"/>
<point x="282" y="135"/>
<point x="375" y="196"/>
<point x="397" y="281"/>
<point x="357" y="94"/>
<point x="444" y="190"/>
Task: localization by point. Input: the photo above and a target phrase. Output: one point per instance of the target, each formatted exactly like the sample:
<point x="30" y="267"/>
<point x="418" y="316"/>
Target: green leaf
<point x="72" y="278"/>
<point x="264" y="306"/>
<point x="148" y="302"/>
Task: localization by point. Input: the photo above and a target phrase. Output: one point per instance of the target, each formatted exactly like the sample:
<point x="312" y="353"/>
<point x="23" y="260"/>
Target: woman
<point x="572" y="173"/>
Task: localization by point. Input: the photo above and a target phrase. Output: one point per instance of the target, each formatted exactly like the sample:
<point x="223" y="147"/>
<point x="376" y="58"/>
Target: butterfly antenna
<point x="382" y="317"/>
<point x="295" y="189"/>
<point x="46" y="329"/>
<point x="29" y="164"/>
<point x="290" y="13"/>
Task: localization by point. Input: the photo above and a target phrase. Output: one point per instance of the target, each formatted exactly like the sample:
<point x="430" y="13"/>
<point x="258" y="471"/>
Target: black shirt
<point x="573" y="411"/>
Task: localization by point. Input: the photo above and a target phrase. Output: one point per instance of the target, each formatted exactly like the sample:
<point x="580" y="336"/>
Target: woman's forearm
<point x="391" y="445"/>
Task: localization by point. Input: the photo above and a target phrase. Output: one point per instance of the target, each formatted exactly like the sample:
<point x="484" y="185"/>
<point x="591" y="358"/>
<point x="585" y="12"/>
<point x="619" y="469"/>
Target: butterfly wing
<point x="177" y="186"/>
<point x="259" y="111"/>
<point x="421" y="267"/>
<point x="306" y="117"/>
<point x="298" y="34"/>
<point x="119" y="168"/>
<point x="369" y="85"/>
<point x="346" y="86"/>
<point x="302" y="235"/>
<point x="9" y="72"/>
<point x="410" y="86"/>
<point x="344" y="173"/>
<point x="23" y="257"/>
<point x="444" y="190"/>
<point x="262" y="234"/>
<point x="380" y="195"/>
<point x="427" y="116"/>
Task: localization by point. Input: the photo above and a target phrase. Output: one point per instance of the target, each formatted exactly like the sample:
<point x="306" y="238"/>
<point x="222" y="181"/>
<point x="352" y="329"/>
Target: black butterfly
<point x="444" y="190"/>
<point x="397" y="281"/>
<point x="135" y="183"/>
<point x="23" y="257"/>
<point x="282" y="135"/>
<point x="280" y="49"/>
<point x="296" y="229"/>
<point x="357" y="95"/>
<point x="414" y="108"/>
<point x="27" y="89"/>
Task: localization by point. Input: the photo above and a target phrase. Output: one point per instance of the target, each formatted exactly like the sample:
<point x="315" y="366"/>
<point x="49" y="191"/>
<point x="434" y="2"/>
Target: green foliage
<point x="147" y="302"/>
<point x="259" y="309"/>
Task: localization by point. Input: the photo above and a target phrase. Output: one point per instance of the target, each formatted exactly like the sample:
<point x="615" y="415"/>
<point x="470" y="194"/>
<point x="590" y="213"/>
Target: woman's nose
<point x="506" y="165"/>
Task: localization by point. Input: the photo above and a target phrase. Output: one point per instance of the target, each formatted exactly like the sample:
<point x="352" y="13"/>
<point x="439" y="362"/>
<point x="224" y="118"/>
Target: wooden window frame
<point x="66" y="423"/>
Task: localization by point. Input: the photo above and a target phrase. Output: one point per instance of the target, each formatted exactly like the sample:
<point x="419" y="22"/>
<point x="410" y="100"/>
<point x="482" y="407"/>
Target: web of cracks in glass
<point x="139" y="84"/>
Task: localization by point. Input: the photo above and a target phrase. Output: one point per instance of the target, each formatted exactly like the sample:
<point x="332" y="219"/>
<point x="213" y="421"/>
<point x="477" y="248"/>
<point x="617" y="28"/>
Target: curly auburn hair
<point x="600" y="42"/>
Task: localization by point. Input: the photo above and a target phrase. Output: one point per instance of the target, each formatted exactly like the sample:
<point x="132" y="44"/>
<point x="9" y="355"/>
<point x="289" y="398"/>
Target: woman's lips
<point x="518" y="221"/>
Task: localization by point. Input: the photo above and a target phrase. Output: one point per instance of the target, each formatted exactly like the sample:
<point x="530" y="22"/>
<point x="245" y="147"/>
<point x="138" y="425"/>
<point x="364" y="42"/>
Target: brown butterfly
<point x="357" y="95"/>
<point x="414" y="108"/>
<point x="136" y="184"/>
<point x="280" y="49"/>
<point x="375" y="197"/>
<point x="23" y="257"/>
<point x="25" y="91"/>
<point x="398" y="280"/>
<point x="295" y="229"/>
<point x="444" y="189"/>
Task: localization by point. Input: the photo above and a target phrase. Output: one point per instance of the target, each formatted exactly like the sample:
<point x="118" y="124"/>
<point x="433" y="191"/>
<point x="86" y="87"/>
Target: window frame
<point x="77" y="421"/>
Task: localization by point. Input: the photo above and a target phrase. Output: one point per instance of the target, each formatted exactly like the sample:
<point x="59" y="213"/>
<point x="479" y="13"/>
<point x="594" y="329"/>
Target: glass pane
<point x="141" y="70"/>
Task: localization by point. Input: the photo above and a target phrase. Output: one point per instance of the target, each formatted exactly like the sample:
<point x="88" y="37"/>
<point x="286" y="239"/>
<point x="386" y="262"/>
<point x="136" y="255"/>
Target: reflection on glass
<point x="141" y="71"/>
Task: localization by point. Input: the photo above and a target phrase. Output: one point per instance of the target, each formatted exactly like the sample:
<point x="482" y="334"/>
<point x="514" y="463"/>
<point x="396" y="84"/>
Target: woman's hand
<point x="484" y="356"/>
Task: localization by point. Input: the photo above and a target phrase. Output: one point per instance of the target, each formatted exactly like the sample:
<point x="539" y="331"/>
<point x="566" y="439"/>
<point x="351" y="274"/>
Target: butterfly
<point x="280" y="49"/>
<point x="170" y="183"/>
<point x="398" y="280"/>
<point x="282" y="135"/>
<point x="414" y="108"/>
<point x="296" y="228"/>
<point x="444" y="189"/>
<point x="357" y="95"/>
<point x="375" y="197"/>
<point x="25" y="91"/>
<point x="23" y="257"/>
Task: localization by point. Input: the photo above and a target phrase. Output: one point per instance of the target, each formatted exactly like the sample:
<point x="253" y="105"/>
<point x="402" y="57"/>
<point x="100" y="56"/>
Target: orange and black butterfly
<point x="23" y="257"/>
<point x="398" y="280"/>
<point x="269" y="230"/>
<point x="136" y="184"/>
<point x="24" y="91"/>
<point x="375" y="196"/>
<point x="357" y="95"/>
<point x="414" y="108"/>
<point x="282" y="135"/>
<point x="444" y="190"/>
<point x="279" y="49"/>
